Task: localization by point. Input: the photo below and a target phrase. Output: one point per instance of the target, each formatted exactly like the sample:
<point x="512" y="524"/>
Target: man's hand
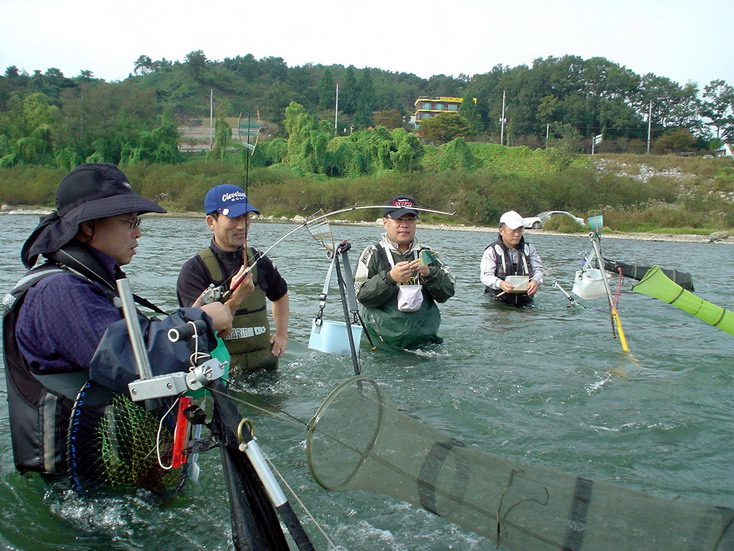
<point x="244" y="290"/>
<point x="279" y="344"/>
<point x="403" y="271"/>
<point x="532" y="287"/>
<point x="221" y="317"/>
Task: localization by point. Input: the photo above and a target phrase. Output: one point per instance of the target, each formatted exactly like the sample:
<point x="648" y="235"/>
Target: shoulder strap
<point x="213" y="268"/>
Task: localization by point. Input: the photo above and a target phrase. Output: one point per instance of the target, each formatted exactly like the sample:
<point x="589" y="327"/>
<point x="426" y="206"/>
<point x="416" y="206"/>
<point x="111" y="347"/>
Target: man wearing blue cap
<point x="250" y="344"/>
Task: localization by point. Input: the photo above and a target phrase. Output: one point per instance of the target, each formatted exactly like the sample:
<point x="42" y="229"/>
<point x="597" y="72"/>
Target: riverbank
<point x="716" y="237"/>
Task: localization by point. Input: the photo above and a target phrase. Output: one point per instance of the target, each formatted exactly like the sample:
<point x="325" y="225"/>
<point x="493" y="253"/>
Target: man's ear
<point x="210" y="221"/>
<point x="86" y="231"/>
<point x="384" y="222"/>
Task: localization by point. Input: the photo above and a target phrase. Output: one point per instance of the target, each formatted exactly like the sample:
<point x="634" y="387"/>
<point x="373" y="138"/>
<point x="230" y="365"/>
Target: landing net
<point x="359" y="440"/>
<point x="113" y="444"/>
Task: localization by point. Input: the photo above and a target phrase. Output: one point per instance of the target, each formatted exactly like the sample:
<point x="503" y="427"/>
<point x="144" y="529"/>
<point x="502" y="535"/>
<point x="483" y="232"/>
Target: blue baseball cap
<point x="229" y="200"/>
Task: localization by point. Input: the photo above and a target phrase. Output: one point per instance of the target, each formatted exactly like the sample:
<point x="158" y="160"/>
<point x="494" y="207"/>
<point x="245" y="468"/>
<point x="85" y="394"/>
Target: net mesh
<point x="359" y="440"/>
<point x="320" y="230"/>
<point x="113" y="444"/>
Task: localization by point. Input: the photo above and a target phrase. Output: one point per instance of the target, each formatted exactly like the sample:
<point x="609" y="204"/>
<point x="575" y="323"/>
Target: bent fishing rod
<point x="218" y="293"/>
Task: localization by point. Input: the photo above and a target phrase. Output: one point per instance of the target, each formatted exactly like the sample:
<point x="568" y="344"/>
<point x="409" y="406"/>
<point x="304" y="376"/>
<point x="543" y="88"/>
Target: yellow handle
<point x="622" y="337"/>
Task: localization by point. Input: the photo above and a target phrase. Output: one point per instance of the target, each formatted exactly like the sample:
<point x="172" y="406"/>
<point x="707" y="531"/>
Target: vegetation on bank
<point x="50" y="119"/>
<point x="633" y="193"/>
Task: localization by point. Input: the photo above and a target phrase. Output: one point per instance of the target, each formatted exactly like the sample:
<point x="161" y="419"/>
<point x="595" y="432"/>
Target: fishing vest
<point x="40" y="405"/>
<point x="251" y="328"/>
<point x="505" y="267"/>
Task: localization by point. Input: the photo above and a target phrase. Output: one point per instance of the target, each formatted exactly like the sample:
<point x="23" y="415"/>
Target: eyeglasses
<point x="134" y="222"/>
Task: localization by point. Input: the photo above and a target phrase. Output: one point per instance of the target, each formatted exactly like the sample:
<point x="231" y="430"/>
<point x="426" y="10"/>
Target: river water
<point x="547" y="386"/>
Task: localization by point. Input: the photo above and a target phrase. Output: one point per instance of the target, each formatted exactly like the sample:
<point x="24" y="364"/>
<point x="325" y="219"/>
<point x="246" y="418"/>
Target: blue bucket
<point x="596" y="222"/>
<point x="331" y="337"/>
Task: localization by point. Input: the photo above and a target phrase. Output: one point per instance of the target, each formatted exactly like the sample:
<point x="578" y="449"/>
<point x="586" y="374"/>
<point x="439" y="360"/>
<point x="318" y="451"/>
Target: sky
<point x="683" y="40"/>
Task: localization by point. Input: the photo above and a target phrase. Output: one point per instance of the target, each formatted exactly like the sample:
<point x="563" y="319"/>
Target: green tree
<point x="443" y="128"/>
<point x="196" y="64"/>
<point x="143" y="65"/>
<point x="470" y="112"/>
<point x="29" y="130"/>
<point x="718" y="105"/>
<point x="349" y="92"/>
<point x="327" y="90"/>
<point x="408" y="151"/>
<point x="306" y="142"/>
<point x="388" y="118"/>
<point x="675" y="141"/>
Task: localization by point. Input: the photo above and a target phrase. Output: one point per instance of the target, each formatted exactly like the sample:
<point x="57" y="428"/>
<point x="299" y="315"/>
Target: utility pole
<point x="649" y="127"/>
<point x="211" y="118"/>
<point x="336" y="109"/>
<point x="502" y="120"/>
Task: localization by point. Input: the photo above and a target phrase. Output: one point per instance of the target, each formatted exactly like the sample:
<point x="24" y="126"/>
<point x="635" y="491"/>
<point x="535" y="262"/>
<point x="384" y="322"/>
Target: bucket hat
<point x="89" y="192"/>
<point x="229" y="200"/>
<point x="400" y="206"/>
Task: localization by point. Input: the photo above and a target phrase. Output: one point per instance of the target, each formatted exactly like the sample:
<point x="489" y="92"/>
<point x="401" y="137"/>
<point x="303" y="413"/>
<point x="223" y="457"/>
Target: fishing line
<point x="295" y="421"/>
<point x="158" y="437"/>
<point x="298" y="500"/>
<point x="287" y="417"/>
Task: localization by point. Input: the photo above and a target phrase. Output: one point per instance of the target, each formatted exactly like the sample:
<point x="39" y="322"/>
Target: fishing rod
<point x="218" y="293"/>
<point x="614" y="314"/>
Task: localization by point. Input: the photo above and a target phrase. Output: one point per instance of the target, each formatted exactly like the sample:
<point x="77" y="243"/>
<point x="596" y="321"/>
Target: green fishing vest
<point x="251" y="328"/>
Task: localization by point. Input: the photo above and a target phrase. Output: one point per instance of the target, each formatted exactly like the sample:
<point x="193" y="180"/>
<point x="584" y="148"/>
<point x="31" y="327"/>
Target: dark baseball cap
<point x="400" y="206"/>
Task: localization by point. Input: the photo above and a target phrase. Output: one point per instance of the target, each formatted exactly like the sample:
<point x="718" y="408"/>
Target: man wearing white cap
<point x="250" y="344"/>
<point x="511" y="255"/>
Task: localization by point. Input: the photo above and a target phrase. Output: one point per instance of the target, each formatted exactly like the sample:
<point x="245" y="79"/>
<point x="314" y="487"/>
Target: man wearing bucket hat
<point x="63" y="323"/>
<point x="511" y="256"/>
<point x="399" y="281"/>
<point x="250" y="344"/>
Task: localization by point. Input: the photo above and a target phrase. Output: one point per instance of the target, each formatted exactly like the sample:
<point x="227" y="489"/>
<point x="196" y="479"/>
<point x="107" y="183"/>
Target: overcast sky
<point x="684" y="40"/>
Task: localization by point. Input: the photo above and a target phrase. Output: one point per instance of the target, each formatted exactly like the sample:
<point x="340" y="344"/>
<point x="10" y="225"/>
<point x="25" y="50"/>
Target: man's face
<point x="511" y="238"/>
<point x="116" y="236"/>
<point x="229" y="233"/>
<point x="400" y="230"/>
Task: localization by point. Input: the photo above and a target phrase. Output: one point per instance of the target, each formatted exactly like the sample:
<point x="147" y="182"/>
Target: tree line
<point x="49" y="119"/>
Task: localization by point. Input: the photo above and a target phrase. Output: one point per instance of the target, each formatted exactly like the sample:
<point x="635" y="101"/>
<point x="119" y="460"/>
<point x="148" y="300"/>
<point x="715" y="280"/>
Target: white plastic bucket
<point x="332" y="337"/>
<point x="589" y="284"/>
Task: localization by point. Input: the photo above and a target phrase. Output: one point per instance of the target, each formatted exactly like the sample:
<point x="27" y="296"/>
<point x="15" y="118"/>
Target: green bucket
<point x="596" y="222"/>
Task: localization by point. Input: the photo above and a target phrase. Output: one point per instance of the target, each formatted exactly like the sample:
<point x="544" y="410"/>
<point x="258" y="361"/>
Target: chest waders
<point x="505" y="267"/>
<point x="249" y="342"/>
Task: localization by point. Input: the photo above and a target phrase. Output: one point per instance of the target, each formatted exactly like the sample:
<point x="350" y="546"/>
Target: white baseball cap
<point x="512" y="220"/>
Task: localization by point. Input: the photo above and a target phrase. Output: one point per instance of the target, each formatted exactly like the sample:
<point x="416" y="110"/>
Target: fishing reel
<point x="173" y="384"/>
<point x="212" y="294"/>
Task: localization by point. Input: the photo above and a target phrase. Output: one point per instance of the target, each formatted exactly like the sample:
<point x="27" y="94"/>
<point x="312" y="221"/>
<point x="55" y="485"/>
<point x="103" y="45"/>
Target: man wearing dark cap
<point x="398" y="282"/>
<point x="250" y="344"/>
<point x="62" y="313"/>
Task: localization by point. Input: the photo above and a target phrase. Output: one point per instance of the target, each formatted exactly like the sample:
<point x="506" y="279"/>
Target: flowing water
<point x="548" y="386"/>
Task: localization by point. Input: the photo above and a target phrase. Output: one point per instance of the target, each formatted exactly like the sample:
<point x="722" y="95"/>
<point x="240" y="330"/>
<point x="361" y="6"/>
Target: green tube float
<point x="657" y="285"/>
